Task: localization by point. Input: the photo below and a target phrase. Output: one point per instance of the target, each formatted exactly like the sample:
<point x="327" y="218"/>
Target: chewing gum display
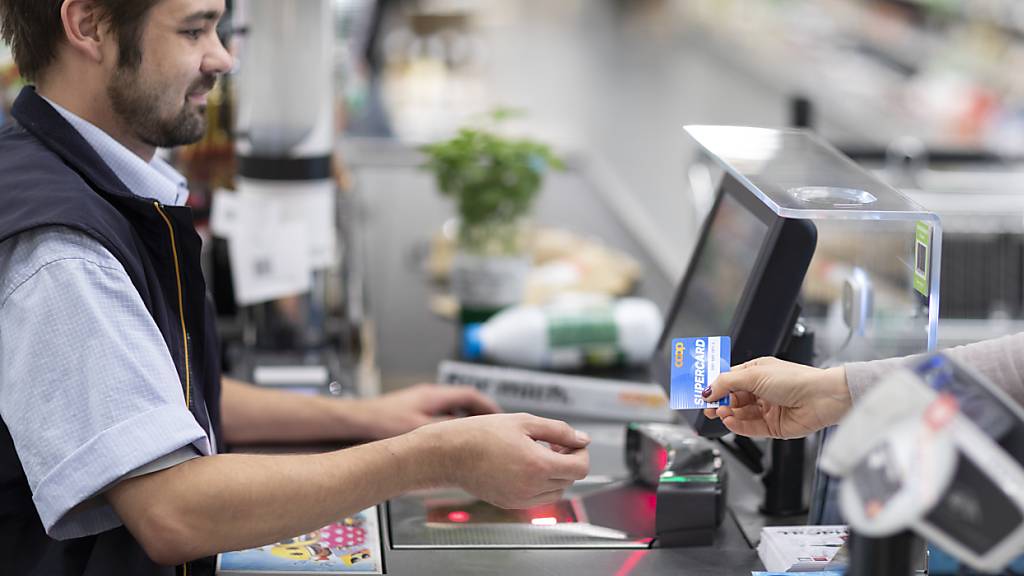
<point x="696" y="363"/>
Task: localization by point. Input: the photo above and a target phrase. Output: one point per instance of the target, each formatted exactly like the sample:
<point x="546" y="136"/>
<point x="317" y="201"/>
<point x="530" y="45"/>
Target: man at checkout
<point x="112" y="403"/>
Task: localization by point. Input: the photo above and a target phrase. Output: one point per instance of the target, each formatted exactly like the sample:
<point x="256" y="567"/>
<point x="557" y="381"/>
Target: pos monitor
<point x="742" y="281"/>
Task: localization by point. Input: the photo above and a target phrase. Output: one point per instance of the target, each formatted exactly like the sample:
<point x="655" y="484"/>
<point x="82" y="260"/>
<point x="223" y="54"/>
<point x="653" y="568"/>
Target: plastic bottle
<point x="568" y="334"/>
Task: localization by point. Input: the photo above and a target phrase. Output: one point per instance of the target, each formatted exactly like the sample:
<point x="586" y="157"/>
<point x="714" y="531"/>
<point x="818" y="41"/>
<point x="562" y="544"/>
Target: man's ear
<point x="86" y="30"/>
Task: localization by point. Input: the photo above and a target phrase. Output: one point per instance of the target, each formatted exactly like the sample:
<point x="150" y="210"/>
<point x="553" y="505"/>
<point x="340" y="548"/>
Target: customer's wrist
<point x="838" y="387"/>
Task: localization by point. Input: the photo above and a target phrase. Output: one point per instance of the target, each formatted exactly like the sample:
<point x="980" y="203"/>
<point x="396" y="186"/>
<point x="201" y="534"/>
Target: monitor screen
<point x="742" y="281"/>
<point x="720" y="272"/>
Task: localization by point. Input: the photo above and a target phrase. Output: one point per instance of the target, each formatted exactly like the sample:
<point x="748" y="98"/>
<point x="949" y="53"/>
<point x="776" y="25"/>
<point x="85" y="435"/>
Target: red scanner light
<point x="661" y="458"/>
<point x="458" y="516"/>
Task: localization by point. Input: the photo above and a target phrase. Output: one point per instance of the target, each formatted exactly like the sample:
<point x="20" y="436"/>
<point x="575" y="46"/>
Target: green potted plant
<point x="493" y="180"/>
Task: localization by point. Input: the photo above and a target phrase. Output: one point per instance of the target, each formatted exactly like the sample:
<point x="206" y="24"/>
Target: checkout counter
<point x="803" y="241"/>
<point x="387" y="231"/>
<point x="400" y="211"/>
<point x="803" y="255"/>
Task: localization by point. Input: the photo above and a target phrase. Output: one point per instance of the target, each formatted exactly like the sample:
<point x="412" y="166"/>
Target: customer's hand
<point x="405" y="410"/>
<point x="771" y="397"/>
<point x="510" y="460"/>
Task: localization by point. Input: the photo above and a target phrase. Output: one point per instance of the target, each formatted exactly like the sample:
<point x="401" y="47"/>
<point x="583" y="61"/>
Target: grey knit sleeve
<point x="1001" y="360"/>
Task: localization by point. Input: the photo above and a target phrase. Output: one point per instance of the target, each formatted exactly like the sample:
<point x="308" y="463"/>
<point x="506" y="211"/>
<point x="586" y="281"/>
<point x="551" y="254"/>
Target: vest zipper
<point x="181" y="315"/>
<point x="181" y="306"/>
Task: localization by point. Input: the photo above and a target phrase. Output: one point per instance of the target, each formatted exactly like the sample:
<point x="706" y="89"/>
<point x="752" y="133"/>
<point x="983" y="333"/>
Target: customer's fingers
<point x="741" y="398"/>
<point x="750" y="428"/>
<point x="730" y="382"/>
<point x="751" y="412"/>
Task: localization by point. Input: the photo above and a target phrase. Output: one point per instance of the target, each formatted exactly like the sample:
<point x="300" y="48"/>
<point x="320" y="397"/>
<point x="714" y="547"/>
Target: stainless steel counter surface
<point x="729" y="555"/>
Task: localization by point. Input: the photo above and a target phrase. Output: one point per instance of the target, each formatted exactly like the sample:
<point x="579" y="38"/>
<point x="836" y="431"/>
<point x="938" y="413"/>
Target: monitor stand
<point x="889" y="556"/>
<point x="784" y="481"/>
<point x="780" y="498"/>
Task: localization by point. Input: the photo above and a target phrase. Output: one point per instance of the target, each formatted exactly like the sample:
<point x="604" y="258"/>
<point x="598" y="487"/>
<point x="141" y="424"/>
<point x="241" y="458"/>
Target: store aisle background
<point x="610" y="83"/>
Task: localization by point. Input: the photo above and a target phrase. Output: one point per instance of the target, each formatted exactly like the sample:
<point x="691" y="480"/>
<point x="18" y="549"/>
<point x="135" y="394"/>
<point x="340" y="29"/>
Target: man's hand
<point x="509" y="460"/>
<point x="251" y="414"/>
<point x="405" y="410"/>
<point x="771" y="397"/>
<point x="234" y="501"/>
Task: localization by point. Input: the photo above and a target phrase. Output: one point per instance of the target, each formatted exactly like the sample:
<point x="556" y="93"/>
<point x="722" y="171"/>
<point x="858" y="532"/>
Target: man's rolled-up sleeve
<point x="88" y="389"/>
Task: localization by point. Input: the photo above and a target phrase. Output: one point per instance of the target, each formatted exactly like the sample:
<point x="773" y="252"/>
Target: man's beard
<point x="138" y="105"/>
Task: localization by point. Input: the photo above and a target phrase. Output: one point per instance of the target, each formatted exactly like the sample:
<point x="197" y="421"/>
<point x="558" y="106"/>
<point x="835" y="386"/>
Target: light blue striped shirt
<point x="88" y="388"/>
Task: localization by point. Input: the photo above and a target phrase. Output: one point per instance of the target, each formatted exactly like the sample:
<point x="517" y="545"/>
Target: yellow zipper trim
<point x="181" y="316"/>
<point x="181" y="306"/>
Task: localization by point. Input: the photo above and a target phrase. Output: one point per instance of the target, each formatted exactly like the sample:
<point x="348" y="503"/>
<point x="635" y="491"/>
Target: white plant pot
<point x="489" y="282"/>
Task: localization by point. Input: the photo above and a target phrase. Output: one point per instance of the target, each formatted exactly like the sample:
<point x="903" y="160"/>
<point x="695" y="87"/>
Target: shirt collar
<point x="155" y="180"/>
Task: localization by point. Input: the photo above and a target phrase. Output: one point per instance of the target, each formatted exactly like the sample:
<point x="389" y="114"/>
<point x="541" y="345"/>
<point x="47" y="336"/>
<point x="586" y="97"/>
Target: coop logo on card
<point x="680" y="350"/>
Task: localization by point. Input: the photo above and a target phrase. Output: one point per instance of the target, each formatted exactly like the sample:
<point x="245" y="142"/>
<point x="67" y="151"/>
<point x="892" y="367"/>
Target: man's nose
<point x="218" y="61"/>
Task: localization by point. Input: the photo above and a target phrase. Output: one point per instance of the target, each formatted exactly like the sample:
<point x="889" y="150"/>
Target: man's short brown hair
<point x="34" y="30"/>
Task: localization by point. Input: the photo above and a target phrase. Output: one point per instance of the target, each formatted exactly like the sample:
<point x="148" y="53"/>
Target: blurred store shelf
<point x="943" y="72"/>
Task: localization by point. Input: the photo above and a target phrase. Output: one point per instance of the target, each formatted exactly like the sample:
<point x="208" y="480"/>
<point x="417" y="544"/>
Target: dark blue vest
<point x="49" y="175"/>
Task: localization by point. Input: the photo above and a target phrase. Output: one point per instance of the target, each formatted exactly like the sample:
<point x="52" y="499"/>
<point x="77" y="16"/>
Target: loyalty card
<point x="696" y="362"/>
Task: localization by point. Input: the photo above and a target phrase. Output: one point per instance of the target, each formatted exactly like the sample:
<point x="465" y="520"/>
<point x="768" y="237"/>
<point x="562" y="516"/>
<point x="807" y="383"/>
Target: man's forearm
<point x="253" y="414"/>
<point x="236" y="501"/>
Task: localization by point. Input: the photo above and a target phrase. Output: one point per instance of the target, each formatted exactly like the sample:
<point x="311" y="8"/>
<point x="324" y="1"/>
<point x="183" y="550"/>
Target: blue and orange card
<point x="696" y="363"/>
